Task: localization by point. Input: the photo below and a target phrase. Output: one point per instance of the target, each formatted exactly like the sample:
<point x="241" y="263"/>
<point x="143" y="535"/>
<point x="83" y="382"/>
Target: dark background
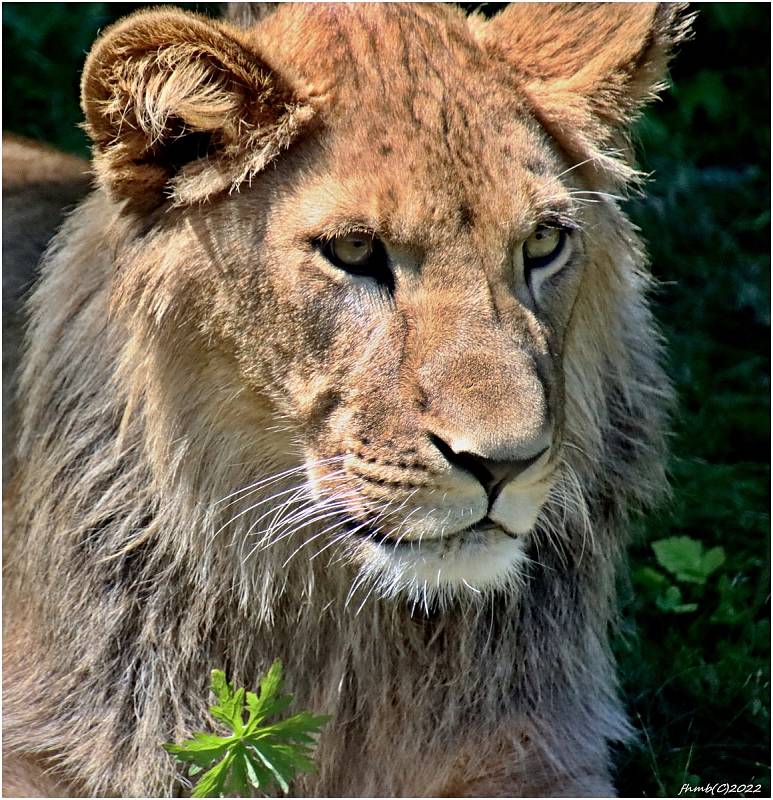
<point x="694" y="643"/>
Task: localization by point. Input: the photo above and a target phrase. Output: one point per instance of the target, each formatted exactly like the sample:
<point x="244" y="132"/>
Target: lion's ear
<point x="179" y="106"/>
<point x="588" y="68"/>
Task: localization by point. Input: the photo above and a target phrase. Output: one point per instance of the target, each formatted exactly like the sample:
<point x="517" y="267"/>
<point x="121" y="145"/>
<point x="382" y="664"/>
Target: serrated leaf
<point x="254" y="756"/>
<point x="282" y="774"/>
<point x="220" y="686"/>
<point x="298" y="726"/>
<point x="230" y="706"/>
<point x="259" y="710"/>
<point x="272" y="681"/>
<point x="212" y="783"/>
<point x="257" y="774"/>
<point x="236" y="780"/>
<point x="202" y="750"/>
<point x="269" y="702"/>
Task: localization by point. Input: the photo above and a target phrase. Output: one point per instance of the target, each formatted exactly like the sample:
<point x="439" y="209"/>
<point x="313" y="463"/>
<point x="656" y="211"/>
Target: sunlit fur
<point x="193" y="424"/>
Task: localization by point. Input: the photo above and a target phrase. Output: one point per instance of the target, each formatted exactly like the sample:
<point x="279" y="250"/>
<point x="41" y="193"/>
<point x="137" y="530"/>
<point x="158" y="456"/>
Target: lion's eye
<point x="359" y="254"/>
<point x="543" y="246"/>
<point x="353" y="250"/>
<point x="544" y="254"/>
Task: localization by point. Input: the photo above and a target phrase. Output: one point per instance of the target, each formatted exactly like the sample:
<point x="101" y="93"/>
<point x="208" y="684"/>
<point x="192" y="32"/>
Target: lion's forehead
<point x="424" y="132"/>
<point x="351" y="40"/>
<point x="417" y="189"/>
<point x="409" y="79"/>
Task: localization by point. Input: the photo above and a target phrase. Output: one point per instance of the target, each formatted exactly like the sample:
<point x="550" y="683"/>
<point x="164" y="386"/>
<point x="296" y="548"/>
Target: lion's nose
<point x="493" y="475"/>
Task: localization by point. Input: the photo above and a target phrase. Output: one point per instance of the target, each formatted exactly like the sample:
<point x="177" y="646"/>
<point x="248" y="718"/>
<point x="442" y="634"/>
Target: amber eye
<point x="353" y="250"/>
<point x="359" y="253"/>
<point x="543" y="246"/>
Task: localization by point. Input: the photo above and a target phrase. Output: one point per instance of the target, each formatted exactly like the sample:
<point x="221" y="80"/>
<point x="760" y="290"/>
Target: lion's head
<point x="398" y="229"/>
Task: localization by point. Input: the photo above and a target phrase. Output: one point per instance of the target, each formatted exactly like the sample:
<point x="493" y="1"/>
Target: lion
<point x="346" y="360"/>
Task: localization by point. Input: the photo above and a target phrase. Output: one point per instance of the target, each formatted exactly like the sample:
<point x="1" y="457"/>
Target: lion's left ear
<point x="179" y="106"/>
<point x="588" y="68"/>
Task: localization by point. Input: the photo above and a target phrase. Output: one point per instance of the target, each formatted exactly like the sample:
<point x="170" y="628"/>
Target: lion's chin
<point x="473" y="562"/>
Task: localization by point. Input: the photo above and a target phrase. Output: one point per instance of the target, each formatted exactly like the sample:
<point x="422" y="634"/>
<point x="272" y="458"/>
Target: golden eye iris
<point x="360" y="253"/>
<point x="543" y="243"/>
<point x="354" y="249"/>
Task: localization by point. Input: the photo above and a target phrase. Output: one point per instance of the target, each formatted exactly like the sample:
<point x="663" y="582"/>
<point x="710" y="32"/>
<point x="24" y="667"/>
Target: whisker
<point x="358" y="580"/>
<point x="316" y="516"/>
<point x="278" y="512"/>
<point x="307" y="506"/>
<point x="280" y="476"/>
<point x="365" y="599"/>
<point x="604" y="195"/>
<point x="576" y="166"/>
<point x="254" y="506"/>
<point x="308" y="541"/>
<point x="268" y="539"/>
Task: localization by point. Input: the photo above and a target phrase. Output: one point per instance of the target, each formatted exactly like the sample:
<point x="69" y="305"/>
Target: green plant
<point x="687" y="561"/>
<point x="256" y="753"/>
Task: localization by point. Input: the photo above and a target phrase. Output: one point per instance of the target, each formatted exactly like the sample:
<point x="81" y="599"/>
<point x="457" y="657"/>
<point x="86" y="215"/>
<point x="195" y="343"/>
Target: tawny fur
<point x="186" y="341"/>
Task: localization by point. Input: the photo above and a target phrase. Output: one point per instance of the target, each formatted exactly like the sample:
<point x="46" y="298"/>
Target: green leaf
<point x="220" y="686"/>
<point x="257" y="774"/>
<point x="212" y="783"/>
<point x="297" y="727"/>
<point x="684" y="558"/>
<point x="201" y="750"/>
<point x="236" y="780"/>
<point x="680" y="555"/>
<point x="270" y="702"/>
<point x="713" y="560"/>
<point x="282" y="769"/>
<point x="650" y="578"/>
<point x="254" y="757"/>
<point x="230" y="704"/>
<point x="671" y="601"/>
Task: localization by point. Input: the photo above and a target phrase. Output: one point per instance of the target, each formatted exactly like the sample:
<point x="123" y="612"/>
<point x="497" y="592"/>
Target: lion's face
<point x="400" y="284"/>
<point x="405" y="300"/>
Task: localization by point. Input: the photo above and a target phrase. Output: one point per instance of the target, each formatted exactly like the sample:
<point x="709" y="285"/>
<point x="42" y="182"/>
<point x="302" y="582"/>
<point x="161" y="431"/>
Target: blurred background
<point x="694" y="642"/>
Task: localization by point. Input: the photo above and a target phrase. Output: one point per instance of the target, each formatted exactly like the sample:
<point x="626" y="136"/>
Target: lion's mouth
<point x="478" y="558"/>
<point x="370" y="533"/>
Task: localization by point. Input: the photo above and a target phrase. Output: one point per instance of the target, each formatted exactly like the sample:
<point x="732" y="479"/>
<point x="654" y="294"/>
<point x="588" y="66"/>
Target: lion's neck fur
<point x="122" y="491"/>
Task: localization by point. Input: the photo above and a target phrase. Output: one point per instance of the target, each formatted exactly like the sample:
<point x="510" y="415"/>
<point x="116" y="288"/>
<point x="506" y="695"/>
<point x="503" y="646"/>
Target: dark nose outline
<point x="492" y="475"/>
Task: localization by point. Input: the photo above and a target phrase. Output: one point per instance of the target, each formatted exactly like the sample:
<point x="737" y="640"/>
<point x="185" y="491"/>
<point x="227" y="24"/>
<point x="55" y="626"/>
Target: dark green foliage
<point x="694" y="645"/>
<point x="695" y="650"/>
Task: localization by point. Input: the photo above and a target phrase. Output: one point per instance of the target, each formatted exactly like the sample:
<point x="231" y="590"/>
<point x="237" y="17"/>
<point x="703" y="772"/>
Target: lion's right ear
<point x="587" y="69"/>
<point x="178" y="106"/>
